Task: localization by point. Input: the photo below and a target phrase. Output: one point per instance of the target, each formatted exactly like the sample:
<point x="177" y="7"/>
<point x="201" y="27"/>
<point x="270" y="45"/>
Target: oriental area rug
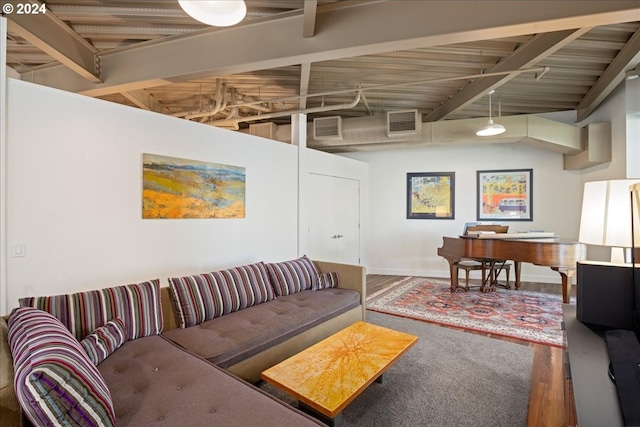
<point x="530" y="316"/>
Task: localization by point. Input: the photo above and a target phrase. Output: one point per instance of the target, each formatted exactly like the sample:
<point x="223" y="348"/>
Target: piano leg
<point x="567" y="279"/>
<point x="518" y="269"/>
<point x="453" y="274"/>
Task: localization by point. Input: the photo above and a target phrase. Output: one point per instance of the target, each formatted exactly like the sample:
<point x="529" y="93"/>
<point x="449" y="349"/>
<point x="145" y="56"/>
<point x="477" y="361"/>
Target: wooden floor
<point x="547" y="406"/>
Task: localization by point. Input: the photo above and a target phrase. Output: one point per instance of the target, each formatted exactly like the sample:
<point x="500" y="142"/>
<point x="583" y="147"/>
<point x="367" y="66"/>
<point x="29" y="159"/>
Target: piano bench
<point x="470" y="265"/>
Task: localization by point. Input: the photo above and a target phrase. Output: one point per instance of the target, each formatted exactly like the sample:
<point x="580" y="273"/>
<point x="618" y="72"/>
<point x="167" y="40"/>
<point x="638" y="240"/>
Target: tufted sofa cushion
<point x="138" y="305"/>
<point x="55" y="381"/>
<point x="234" y="337"/>
<point x="157" y="383"/>
<point x="205" y="296"/>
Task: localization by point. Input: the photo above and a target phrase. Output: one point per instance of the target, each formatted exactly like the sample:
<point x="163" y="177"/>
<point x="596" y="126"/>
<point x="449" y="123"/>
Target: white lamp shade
<point x="219" y="13"/>
<point x="606" y="213"/>
<point x="491" y="129"/>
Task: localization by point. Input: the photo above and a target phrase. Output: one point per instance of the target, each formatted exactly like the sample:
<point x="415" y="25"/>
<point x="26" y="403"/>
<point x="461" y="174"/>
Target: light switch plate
<point x="19" y="250"/>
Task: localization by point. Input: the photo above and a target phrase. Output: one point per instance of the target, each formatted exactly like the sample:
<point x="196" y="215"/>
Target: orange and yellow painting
<point x="174" y="188"/>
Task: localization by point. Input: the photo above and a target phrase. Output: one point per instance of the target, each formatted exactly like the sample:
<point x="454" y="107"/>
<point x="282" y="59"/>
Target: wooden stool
<point x="469" y="265"/>
<point x="497" y="267"/>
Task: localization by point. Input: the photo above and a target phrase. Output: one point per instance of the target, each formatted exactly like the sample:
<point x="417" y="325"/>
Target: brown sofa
<point x="167" y="380"/>
<point x="261" y="336"/>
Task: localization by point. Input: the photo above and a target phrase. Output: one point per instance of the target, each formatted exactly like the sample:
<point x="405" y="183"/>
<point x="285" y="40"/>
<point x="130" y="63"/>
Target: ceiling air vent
<point x="403" y="123"/>
<point x="327" y="128"/>
<point x="263" y="130"/>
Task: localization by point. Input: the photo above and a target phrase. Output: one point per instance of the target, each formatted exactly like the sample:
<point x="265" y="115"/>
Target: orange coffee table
<point x="327" y="376"/>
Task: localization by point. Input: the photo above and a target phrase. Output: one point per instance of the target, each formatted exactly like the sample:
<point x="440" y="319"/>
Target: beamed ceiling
<point x="439" y="57"/>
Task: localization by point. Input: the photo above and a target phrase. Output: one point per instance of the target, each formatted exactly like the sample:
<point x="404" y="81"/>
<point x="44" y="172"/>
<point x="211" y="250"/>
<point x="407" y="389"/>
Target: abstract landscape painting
<point x="175" y="188"/>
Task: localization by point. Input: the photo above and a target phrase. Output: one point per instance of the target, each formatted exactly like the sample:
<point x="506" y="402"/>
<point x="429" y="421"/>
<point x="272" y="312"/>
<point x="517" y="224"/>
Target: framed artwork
<point x="430" y="195"/>
<point x="174" y="188"/>
<point x="505" y="195"/>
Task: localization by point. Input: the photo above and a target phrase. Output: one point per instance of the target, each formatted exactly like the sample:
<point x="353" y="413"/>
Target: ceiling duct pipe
<point x="541" y="70"/>
<point x="219" y="102"/>
<point x="234" y="110"/>
<point x="251" y="103"/>
<point x="232" y="122"/>
<point x="221" y="105"/>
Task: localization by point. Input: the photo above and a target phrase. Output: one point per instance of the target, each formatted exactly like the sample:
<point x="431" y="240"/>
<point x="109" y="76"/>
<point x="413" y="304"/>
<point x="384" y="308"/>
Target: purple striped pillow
<point x="102" y="342"/>
<point x="138" y="305"/>
<point x="327" y="280"/>
<point x="289" y="277"/>
<point x="199" y="298"/>
<point x="55" y="382"/>
<point x="202" y="297"/>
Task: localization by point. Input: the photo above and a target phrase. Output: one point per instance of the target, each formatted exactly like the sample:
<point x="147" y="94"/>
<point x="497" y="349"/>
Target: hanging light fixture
<point x="219" y="13"/>
<point x="491" y="129"/>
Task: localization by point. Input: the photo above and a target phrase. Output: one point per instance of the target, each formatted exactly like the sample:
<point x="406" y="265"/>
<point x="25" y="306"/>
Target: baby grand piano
<point x="535" y="248"/>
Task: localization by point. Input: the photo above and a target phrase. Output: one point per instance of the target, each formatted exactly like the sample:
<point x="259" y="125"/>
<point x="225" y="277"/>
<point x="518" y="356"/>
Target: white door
<point x="334" y="219"/>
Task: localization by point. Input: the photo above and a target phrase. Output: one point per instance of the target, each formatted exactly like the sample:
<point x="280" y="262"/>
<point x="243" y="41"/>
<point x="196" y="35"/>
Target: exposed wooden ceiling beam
<point x="144" y="100"/>
<point x="528" y="55"/>
<point x="627" y="58"/>
<point x="305" y="74"/>
<point x="54" y="37"/>
<point x="309" y="25"/>
<point x="347" y="29"/>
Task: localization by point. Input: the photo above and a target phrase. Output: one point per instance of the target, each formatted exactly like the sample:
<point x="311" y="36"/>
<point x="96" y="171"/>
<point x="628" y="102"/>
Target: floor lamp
<point x="606" y="216"/>
<point x="622" y="345"/>
<point x="607" y="292"/>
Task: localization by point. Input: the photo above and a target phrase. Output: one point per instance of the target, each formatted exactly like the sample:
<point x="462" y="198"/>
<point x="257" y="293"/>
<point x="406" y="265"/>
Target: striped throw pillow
<point x="102" y="342"/>
<point x="205" y="296"/>
<point x="289" y="277"/>
<point x="55" y="382"/>
<point x="138" y="305"/>
<point x="327" y="280"/>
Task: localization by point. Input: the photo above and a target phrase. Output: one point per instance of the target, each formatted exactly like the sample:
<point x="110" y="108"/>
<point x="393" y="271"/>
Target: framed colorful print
<point x="430" y="195"/>
<point x="505" y="195"/>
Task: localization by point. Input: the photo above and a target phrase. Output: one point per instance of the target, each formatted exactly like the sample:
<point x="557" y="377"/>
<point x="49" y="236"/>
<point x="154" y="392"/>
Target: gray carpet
<point x="449" y="378"/>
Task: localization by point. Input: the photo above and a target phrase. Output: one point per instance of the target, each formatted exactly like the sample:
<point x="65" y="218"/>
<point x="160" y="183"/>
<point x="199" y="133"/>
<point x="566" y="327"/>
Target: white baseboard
<point x="445" y="275"/>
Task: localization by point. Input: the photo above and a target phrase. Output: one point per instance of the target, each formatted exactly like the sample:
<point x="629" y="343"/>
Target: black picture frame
<point x="431" y="195"/>
<point x="505" y="195"/>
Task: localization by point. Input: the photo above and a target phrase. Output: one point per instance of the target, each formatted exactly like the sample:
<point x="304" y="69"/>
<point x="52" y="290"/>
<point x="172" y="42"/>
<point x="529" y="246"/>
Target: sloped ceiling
<point x="439" y="57"/>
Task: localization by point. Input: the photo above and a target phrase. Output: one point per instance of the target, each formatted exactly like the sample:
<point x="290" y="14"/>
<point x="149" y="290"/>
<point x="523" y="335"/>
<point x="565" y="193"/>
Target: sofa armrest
<point x="351" y="276"/>
<point x="10" y="412"/>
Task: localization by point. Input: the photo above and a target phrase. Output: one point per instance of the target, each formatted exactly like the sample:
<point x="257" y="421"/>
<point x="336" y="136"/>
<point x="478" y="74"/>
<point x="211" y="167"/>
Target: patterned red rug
<point x="529" y="316"/>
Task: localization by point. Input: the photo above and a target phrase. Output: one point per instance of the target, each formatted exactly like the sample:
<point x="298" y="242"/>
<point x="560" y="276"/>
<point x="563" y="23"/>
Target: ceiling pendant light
<point x="491" y="129"/>
<point x="219" y="13"/>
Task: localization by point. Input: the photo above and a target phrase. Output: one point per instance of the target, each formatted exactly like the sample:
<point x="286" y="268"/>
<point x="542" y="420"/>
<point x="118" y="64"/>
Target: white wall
<point x="409" y="247"/>
<point x="632" y="92"/>
<point x="74" y="195"/>
<point x="75" y="187"/>
<point x="624" y="146"/>
<point x="613" y="110"/>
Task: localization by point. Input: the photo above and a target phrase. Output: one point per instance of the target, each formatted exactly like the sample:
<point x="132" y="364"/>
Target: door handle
<point x="337" y="236"/>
